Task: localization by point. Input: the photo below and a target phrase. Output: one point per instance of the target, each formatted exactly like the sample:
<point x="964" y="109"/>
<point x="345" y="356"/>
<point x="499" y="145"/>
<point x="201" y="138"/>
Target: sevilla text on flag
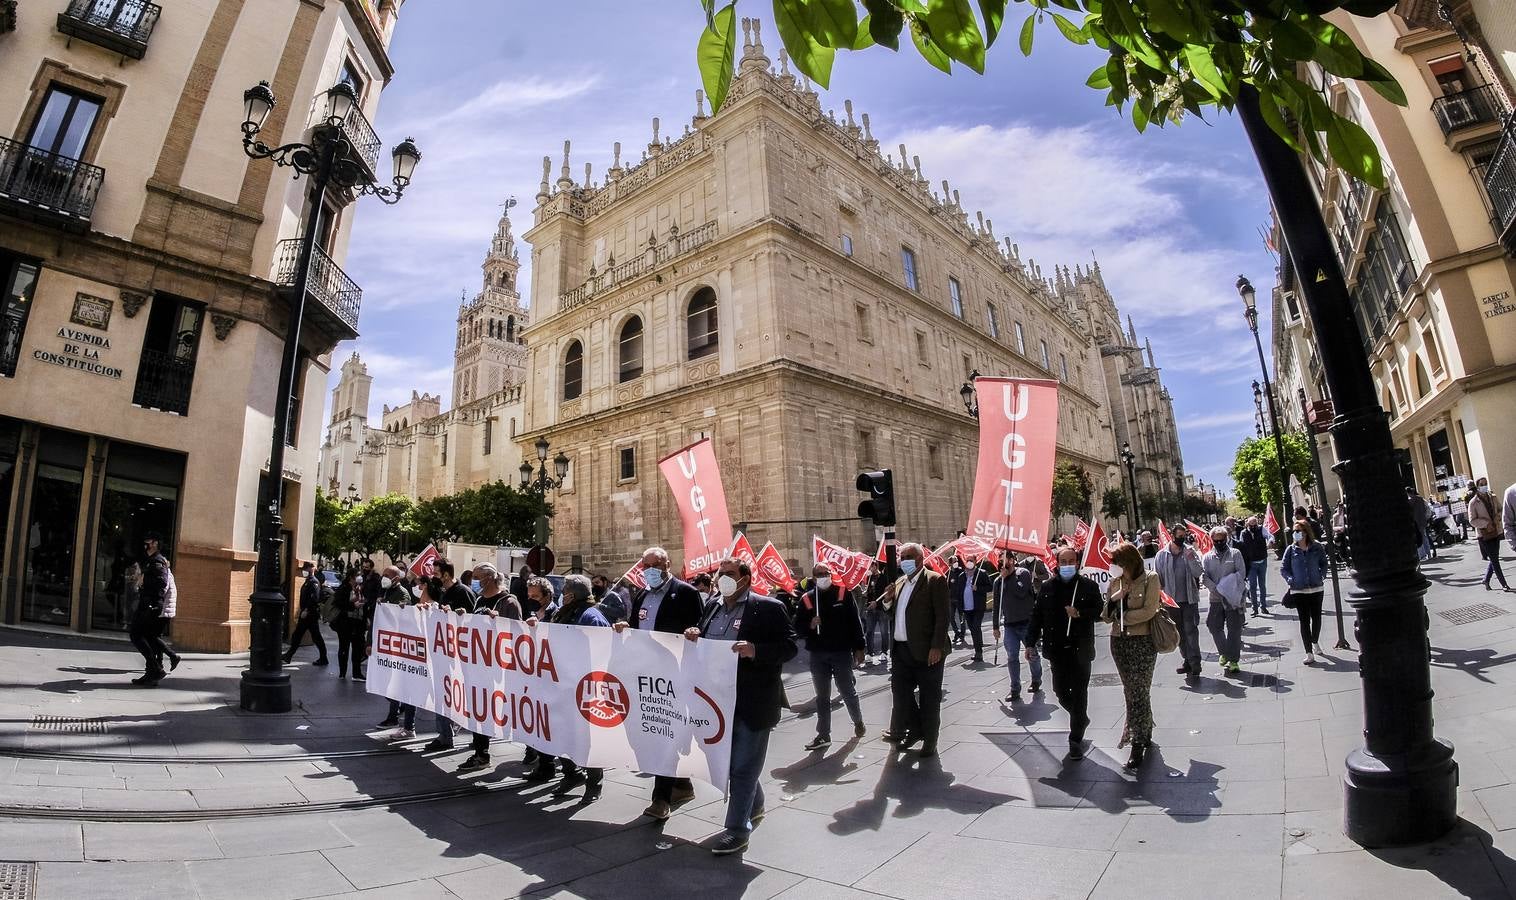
<point x="695" y="479"/>
<point x="1013" y="485"/>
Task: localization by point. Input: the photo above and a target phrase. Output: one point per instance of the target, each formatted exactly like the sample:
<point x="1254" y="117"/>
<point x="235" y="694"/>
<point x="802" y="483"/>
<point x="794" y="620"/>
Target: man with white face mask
<point x="671" y="606"/>
<point x="919" y="599"/>
<point x="828" y="621"/>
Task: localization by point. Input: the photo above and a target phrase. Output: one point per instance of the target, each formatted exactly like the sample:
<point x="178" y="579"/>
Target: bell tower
<point x="490" y="352"/>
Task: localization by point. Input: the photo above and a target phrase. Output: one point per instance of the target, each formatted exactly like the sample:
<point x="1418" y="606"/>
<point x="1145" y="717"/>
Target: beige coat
<point x="1141" y="598"/>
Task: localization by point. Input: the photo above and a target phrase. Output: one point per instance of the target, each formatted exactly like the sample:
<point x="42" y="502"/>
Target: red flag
<point x="775" y="570"/>
<point x="882" y="555"/>
<point x="1202" y="537"/>
<point x="1167" y="600"/>
<point x="1081" y="534"/>
<point x="1164" y="537"/>
<point x="971" y="549"/>
<point x="1270" y="524"/>
<point x="424" y="565"/>
<point x="742" y="550"/>
<point x="695" y="479"/>
<point x="1013" y="484"/>
<point x="1096" y="555"/>
<point x="634" y="575"/>
<point x="849" y="568"/>
<point x="937" y="560"/>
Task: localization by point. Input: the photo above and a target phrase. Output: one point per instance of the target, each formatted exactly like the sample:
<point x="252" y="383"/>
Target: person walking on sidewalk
<point x="1063" y="625"/>
<point x="970" y="587"/>
<point x="1508" y="515"/>
<point x="1178" y="568"/>
<point x="1485" y="518"/>
<point x="1254" y="544"/>
<point x="1421" y="515"/>
<point x="347" y="623"/>
<point x="1133" y="598"/>
<point x="155" y="605"/>
<point x="877" y="617"/>
<point x="1014" y="599"/>
<point x="920" y="603"/>
<point x="828" y="621"/>
<point x="1304" y="568"/>
<point x="310" y="615"/>
<point x="1225" y="577"/>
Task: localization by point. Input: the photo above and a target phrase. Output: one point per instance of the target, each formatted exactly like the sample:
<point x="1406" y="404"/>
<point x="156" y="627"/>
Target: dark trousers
<point x="310" y="622"/>
<point x="1071" y="685"/>
<point x="349" y="645"/>
<point x="975" y="618"/>
<point x="1489" y="549"/>
<point x="827" y="666"/>
<point x="1308" y="608"/>
<point x="909" y="715"/>
<point x="146" y="634"/>
<point x="663" y="787"/>
<point x="480" y="744"/>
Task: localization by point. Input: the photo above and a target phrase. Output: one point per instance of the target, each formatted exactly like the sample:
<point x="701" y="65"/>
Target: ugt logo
<point x="602" y="699"/>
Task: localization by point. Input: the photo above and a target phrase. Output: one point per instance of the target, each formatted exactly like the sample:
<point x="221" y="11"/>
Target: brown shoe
<point x="681" y="796"/>
<point x="658" y="809"/>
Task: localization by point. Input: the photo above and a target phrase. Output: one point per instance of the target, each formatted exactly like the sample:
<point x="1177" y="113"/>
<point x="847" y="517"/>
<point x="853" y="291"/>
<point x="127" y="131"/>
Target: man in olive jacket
<point x="1063" y="622"/>
<point x="919" y="603"/>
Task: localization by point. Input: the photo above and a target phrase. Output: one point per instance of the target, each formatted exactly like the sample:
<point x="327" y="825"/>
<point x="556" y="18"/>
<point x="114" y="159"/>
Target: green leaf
<point x="929" y="49"/>
<point x="1028" y="29"/>
<point x="1353" y="149"/>
<point x="1292" y="42"/>
<point x="710" y="13"/>
<point x="1125" y="30"/>
<point x="1099" y="79"/>
<point x="834" y="22"/>
<point x="715" y="53"/>
<point x="954" y="29"/>
<point x="994" y="15"/>
<point x="1268" y="105"/>
<point x="1140" y="115"/>
<point x="885" y="22"/>
<point x="1334" y="50"/>
<point x="1380" y="79"/>
<point x="1169" y="17"/>
<point x="795" y="30"/>
<point x="865" y="33"/>
<point x="1070" y="30"/>
<point x="1204" y="69"/>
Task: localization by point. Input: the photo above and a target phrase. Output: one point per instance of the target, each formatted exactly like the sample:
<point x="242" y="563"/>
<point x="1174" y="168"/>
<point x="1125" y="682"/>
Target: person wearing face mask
<point x="1063" y="625"/>
<point x="1485" y="519"/>
<point x="758" y="628"/>
<point x="1015" y="596"/>
<point x="827" y="618"/>
<point x="347" y="600"/>
<point x="672" y="606"/>
<point x="1178" y="568"/>
<point x="392" y="591"/>
<point x="1225" y="576"/>
<point x="1304" y="568"/>
<point x="919" y="599"/>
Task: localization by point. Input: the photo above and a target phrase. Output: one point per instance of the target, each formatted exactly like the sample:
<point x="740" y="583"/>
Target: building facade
<point x="771" y="280"/>
<point x="146" y="268"/>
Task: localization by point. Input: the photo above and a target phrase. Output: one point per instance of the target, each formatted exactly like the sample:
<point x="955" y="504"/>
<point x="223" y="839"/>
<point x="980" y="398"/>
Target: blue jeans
<point x="1015" y="639"/>
<point x="826" y="666"/>
<point x="749" y="748"/>
<point x="444" y="730"/>
<point x="1258" y="584"/>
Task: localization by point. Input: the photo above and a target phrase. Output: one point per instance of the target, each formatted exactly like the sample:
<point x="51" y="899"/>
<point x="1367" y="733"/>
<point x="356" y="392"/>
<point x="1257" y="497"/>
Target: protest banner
<point x="849" y="567"/>
<point x="1096" y="561"/>
<point x="775" y="570"/>
<point x="639" y="700"/>
<point x="695" y="479"/>
<point x="1013" y="485"/>
<point x="1202" y="537"/>
<point x="424" y="565"/>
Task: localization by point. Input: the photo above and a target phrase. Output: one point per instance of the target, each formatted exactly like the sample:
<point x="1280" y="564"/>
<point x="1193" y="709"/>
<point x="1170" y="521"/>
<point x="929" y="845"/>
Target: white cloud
<point x="1216" y="421"/>
<point x="395" y="376"/>
<point x="512" y="95"/>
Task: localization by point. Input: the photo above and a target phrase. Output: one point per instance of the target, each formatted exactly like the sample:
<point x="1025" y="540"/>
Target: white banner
<point x="641" y="700"/>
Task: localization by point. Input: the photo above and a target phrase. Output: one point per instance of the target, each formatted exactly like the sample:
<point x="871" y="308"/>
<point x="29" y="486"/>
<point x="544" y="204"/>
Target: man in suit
<point x="671" y="606"/>
<point x="969" y="589"/>
<point x="759" y="629"/>
<point x="1063" y="622"/>
<point x="919" y="601"/>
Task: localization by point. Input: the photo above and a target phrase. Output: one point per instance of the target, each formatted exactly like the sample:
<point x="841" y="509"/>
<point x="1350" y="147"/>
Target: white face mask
<point x="416" y="592"/>
<point x="385" y="582"/>
<point x="727" y="585"/>
<point x="824" y="582"/>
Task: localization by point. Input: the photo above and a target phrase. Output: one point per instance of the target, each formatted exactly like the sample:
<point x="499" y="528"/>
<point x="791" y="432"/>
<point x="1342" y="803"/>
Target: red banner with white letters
<point x="695" y="479"/>
<point x="1202" y="537"/>
<point x="743" y="550"/>
<point x="775" y="570"/>
<point x="1013" y="486"/>
<point x="849" y="567"/>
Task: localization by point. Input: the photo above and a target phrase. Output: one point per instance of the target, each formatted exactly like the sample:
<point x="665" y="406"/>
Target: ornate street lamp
<point x="1129" y="460"/>
<point x="1250" y="312"/>
<point x="967" y="395"/>
<point x="1258" y="409"/>
<point x="328" y="159"/>
<point x="539" y="482"/>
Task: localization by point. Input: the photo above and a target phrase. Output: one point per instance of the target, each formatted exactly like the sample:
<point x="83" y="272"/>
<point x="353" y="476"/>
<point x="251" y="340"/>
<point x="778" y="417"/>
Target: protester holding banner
<point x="828" y="622"/>
<point x="1225" y="576"/>
<point x="1063" y="624"/>
<point x="392" y="591"/>
<point x="1133" y="598"/>
<point x="578" y="608"/>
<point x="920" y="604"/>
<point x="763" y="641"/>
<point x="1015" y="595"/>
<point x="1178" y="568"/>
<point x="672" y="606"/>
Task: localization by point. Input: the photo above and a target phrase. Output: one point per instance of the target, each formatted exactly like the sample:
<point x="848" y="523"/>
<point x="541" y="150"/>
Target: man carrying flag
<point x="827" y="620"/>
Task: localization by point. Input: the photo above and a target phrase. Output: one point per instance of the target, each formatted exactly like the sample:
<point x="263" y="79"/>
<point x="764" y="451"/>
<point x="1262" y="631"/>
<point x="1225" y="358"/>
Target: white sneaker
<point x="1309" y="659"/>
<point x="403" y="734"/>
<point x="1320" y="651"/>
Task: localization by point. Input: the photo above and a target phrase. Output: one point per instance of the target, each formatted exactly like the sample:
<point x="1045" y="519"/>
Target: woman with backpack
<point x="1304" y="568"/>
<point x="1133" y="599"/>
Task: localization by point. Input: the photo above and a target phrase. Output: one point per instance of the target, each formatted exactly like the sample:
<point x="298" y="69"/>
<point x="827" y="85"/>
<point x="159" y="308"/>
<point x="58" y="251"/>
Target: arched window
<point x="629" y="352"/>
<point x="573" y="371"/>
<point x="701" y="321"/>
<point x="510" y="328"/>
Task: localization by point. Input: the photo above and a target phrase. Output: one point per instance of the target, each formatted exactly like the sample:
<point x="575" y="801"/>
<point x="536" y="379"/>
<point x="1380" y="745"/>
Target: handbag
<point x="1288" y="600"/>
<point x="1163" y="631"/>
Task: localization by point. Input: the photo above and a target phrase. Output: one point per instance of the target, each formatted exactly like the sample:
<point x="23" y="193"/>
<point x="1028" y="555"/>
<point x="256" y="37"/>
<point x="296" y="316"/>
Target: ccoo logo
<point x="602" y="699"/>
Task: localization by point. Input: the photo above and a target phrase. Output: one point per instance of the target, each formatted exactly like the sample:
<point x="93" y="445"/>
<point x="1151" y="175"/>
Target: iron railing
<point x="656" y="255"/>
<point x="123" y="26"/>
<point x="337" y="296"/>
<point x="12" y="324"/>
<point x="1465" y="109"/>
<point x="42" y="184"/>
<point x="163" y="382"/>
<point x="356" y="128"/>
<point x="1500" y="185"/>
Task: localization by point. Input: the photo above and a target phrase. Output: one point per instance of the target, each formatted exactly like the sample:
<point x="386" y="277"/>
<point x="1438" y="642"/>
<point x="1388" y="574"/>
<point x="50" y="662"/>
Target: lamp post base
<point x="265" y="693"/>
<point x="1394" y="802"/>
<point x="265" y="684"/>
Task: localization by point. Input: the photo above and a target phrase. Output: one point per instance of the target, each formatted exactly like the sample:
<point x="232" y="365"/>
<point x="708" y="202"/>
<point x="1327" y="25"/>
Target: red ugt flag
<point x="1081" y="534"/>
<point x="695" y="479"/>
<point x="1013" y="484"/>
<point x="1202" y="537"/>
<point x="1270" y="524"/>
<point x="775" y="570"/>
<point x="849" y="569"/>
<point x="1164" y="537"/>
<point x="634" y="575"/>
<point x="742" y="550"/>
<point x="424" y="566"/>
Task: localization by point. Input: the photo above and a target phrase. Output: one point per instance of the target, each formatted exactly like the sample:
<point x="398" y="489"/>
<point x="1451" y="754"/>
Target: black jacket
<point x="505" y="605"/>
<point x="1254" y="544"/>
<point x="981" y="585"/>
<point x="680" y="609"/>
<point x="459" y="597"/>
<point x="840" y="628"/>
<point x="1015" y="596"/>
<point x="760" y="686"/>
<point x="154" y="591"/>
<point x="1050" y="623"/>
<point x="310" y="594"/>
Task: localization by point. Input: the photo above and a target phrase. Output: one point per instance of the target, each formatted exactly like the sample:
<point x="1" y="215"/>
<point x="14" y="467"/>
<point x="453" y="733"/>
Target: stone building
<point x="770" y="279"/>
<point x="145" y="270"/>
<point x="1432" y="283"/>
<point x="419" y="450"/>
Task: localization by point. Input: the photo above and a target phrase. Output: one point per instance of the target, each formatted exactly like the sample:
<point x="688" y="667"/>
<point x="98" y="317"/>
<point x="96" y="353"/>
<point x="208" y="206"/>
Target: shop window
<point x="18" y="280"/>
<point x="167" y="368"/>
<point x="701" y="323"/>
<point x="47" y="576"/>
<point x="141" y="494"/>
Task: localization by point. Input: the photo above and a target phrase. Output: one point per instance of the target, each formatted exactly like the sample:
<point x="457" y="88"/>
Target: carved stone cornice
<point x="131" y="302"/>
<point x="223" y="324"/>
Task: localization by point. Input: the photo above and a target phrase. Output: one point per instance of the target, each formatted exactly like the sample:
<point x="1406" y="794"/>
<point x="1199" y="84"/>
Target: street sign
<point x="1320" y="414"/>
<point x="541" y="560"/>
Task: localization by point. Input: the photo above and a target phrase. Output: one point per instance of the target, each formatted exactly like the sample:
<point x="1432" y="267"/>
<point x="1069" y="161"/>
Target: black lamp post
<point x="1129" y="459"/>
<point x="543" y="482"/>
<point x="1401" y="786"/>
<point x="968" y="396"/>
<point x="1258" y="409"/>
<point x="1250" y="312"/>
<point x="328" y="159"/>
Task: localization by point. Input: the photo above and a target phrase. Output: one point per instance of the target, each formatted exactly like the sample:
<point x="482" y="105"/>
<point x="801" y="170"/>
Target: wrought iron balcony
<point x="1500" y="185"/>
<point x="1465" y="109"/>
<point x="356" y="128"/>
<point x="122" y="26"/>
<point x="163" y="382"/>
<point x="336" y="296"/>
<point x="35" y="184"/>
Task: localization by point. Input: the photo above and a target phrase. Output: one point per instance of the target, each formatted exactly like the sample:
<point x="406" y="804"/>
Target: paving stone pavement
<point x="118" y="792"/>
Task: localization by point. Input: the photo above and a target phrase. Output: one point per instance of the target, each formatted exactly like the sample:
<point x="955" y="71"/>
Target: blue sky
<point x="488" y="89"/>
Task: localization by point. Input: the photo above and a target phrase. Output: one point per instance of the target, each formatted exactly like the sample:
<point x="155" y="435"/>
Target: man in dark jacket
<point x="147" y="623"/>
<point x="310" y="615"/>
<point x="919" y="601"/>
<point x="969" y="589"/>
<point x="671" y="606"/>
<point x="1063" y="621"/>
<point x="1254" y="544"/>
<point x="759" y="629"/>
<point x="1014" y="599"/>
<point x="828" y="621"/>
<point x="497" y="603"/>
<point x="579" y="608"/>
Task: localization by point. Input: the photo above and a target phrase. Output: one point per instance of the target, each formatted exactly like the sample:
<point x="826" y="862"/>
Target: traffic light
<point x="880" y="507"/>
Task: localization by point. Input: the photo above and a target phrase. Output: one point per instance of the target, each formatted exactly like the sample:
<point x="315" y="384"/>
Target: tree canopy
<point x="1073" y="491"/>
<point x="1256" y="472"/>
<point x="1164" y="58"/>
